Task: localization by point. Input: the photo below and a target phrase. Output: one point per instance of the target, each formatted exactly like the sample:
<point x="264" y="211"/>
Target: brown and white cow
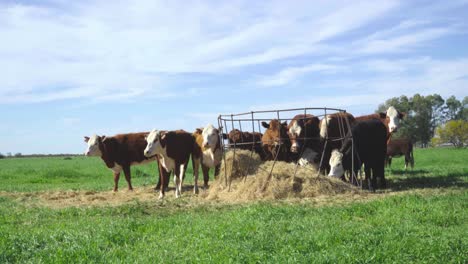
<point x="275" y="140"/>
<point x="400" y="147"/>
<point x="333" y="128"/>
<point x="174" y="149"/>
<point x="304" y="132"/>
<point x="119" y="152"/>
<point x="247" y="140"/>
<point x="391" y="119"/>
<point x="207" y="152"/>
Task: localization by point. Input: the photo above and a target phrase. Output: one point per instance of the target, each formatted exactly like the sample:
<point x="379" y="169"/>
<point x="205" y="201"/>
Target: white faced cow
<point x="207" y="152"/>
<point x="174" y="149"/>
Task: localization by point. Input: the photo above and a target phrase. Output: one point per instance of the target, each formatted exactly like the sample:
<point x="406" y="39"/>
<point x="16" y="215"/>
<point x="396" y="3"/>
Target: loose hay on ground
<point x="252" y="182"/>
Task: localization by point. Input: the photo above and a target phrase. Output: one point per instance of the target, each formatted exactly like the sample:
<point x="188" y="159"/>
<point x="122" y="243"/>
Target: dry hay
<point x="254" y="182"/>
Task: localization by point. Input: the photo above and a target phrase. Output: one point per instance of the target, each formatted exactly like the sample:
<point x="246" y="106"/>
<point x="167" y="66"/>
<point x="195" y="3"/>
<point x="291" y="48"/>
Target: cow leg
<point x="126" y="170"/>
<point x="165" y="174"/>
<point x="177" y="180"/>
<point x="206" y="176"/>
<point x="196" y="169"/>
<point x="216" y="173"/>
<point x="371" y="180"/>
<point x="116" y="181"/>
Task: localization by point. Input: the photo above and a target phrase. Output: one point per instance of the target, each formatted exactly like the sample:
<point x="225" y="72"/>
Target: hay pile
<point x="250" y="180"/>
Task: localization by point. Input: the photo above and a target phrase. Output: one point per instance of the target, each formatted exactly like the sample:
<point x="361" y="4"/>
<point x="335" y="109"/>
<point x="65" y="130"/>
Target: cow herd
<point x="338" y="143"/>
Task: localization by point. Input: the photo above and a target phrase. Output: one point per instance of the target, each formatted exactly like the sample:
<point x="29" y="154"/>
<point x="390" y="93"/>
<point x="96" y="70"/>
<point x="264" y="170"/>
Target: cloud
<point x="291" y="73"/>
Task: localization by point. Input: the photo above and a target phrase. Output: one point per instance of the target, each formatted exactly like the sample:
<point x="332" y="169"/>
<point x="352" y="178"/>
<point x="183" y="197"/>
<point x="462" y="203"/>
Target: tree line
<point x="426" y="115"/>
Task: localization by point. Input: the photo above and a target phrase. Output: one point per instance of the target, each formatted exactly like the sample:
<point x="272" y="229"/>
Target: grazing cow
<point x="370" y="149"/>
<point x="391" y="119"/>
<point x="247" y="140"/>
<point x="400" y="147"/>
<point x="332" y="128"/>
<point x="174" y="149"/>
<point x="207" y="152"/>
<point x="119" y="152"/>
<point x="275" y="141"/>
<point x="304" y="132"/>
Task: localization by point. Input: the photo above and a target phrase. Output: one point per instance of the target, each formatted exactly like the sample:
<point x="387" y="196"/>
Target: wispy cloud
<point x="292" y="73"/>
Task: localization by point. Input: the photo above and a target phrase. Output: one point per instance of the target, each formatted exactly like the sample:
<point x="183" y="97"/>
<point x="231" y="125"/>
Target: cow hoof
<point x="195" y="190"/>
<point x="115" y="190"/>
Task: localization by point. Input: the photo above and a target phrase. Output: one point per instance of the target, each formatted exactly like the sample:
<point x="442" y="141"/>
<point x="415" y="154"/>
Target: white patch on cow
<point x="167" y="163"/>
<point x="178" y="181"/>
<point x="336" y="164"/>
<point x="210" y="136"/>
<point x="394" y="118"/>
<point x="295" y="129"/>
<point x="93" y="146"/>
<point x="324" y="126"/>
<point x="308" y="157"/>
<point x="117" y="168"/>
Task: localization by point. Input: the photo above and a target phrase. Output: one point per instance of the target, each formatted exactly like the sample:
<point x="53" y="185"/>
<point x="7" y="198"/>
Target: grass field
<point x="422" y="217"/>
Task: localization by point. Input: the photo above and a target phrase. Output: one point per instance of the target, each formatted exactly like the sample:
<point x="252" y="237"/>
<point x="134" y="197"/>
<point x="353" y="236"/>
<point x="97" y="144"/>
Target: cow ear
<point x="401" y="115"/>
<point x="383" y="115"/>
<point x="265" y="125"/>
<point x="86" y="139"/>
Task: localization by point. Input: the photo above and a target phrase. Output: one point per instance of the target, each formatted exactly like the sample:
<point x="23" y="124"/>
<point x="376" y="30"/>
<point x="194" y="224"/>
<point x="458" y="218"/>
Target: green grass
<point x="79" y="173"/>
<point x="417" y="226"/>
<point x="400" y="229"/>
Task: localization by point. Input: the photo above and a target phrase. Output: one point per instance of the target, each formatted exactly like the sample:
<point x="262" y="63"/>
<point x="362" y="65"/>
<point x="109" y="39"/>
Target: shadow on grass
<point x="400" y="180"/>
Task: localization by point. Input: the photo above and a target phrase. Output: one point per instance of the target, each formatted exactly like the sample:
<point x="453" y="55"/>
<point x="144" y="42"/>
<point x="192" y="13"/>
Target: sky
<point x="75" y="68"/>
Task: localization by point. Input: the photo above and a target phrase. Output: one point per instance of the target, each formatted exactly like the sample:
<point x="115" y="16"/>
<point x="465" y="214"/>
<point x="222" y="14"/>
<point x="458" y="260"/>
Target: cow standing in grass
<point x="370" y="149"/>
<point x="207" y="153"/>
<point x="400" y="147"/>
<point x="174" y="149"/>
<point x="119" y="152"/>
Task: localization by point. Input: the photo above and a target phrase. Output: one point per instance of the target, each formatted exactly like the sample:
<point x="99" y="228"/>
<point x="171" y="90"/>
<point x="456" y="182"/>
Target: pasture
<point x="57" y="210"/>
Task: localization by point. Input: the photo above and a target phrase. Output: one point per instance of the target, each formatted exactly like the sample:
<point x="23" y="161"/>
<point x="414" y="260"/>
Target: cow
<point x="370" y="148"/>
<point x="304" y="132"/>
<point x="207" y="152"/>
<point x="247" y="140"/>
<point x="174" y="149"/>
<point x="400" y="147"/>
<point x="333" y="128"/>
<point x="119" y="152"/>
<point x="391" y="119"/>
<point x="275" y="140"/>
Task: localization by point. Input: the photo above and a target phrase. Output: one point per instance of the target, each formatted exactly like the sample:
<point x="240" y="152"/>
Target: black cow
<point x="370" y="149"/>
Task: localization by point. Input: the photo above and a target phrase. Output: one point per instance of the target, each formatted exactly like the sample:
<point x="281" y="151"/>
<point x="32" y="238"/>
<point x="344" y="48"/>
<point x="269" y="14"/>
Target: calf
<point x="247" y="140"/>
<point x="174" y="149"/>
<point x="400" y="147"/>
<point x="370" y="149"/>
<point x="119" y="152"/>
<point x="333" y="128"/>
<point x="207" y="152"/>
<point x="275" y="141"/>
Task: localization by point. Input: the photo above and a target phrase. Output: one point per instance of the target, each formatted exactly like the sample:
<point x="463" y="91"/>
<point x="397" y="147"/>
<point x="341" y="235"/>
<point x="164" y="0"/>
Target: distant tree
<point x="18" y="155"/>
<point x="454" y="109"/>
<point x="8" y="154"/>
<point x="464" y="110"/>
<point x="454" y="131"/>
<point x="2" y="156"/>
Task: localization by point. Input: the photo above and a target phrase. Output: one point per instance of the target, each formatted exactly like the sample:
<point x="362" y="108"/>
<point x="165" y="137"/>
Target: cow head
<point x="235" y="136"/>
<point x="155" y="143"/>
<point x="336" y="164"/>
<point x="275" y="136"/>
<point x="295" y="131"/>
<point x="94" y="145"/>
<point x="210" y="137"/>
<point x="393" y="119"/>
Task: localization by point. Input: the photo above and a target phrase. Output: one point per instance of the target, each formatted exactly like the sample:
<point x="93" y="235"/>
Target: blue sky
<point x="75" y="68"/>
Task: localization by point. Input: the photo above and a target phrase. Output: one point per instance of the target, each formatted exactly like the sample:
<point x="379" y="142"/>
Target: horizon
<point x="76" y="69"/>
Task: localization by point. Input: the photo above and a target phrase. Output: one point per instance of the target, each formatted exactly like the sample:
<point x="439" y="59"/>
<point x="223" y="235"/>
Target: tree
<point x="454" y="131"/>
<point x="18" y="155"/>
<point x="454" y="109"/>
<point x="2" y="156"/>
